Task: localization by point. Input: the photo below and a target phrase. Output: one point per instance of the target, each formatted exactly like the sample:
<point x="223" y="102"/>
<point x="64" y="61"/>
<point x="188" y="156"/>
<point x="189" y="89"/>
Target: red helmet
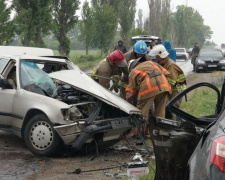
<point x="117" y="58"/>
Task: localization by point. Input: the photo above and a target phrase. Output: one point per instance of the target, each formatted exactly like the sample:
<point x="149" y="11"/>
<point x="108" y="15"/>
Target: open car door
<point x="175" y="141"/>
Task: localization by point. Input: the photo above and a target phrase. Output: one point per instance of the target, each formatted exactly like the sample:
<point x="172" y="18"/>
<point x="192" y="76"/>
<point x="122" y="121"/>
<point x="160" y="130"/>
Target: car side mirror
<point x="4" y="84"/>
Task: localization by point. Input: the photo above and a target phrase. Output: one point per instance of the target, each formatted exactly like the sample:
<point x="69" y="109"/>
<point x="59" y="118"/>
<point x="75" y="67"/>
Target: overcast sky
<point x="212" y="11"/>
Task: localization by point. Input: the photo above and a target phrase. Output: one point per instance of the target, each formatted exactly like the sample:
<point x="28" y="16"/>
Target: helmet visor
<point x="122" y="63"/>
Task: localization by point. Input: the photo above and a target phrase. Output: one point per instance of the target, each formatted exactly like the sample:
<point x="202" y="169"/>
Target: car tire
<point x="196" y="70"/>
<point x="40" y="137"/>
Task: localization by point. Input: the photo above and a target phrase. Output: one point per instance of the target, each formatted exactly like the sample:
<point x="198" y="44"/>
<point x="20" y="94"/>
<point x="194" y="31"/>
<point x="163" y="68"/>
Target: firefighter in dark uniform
<point x="112" y="67"/>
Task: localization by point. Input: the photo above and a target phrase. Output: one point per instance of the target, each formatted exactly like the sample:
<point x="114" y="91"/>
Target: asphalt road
<point x="186" y="66"/>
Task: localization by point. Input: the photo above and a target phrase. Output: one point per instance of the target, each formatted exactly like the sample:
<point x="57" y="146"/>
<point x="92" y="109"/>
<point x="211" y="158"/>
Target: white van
<point x="22" y="50"/>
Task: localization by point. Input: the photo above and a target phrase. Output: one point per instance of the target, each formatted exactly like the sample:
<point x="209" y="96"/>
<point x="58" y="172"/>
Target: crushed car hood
<point x="79" y="80"/>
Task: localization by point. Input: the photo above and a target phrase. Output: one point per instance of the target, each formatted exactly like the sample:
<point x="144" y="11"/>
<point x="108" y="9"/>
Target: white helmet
<point x="159" y="50"/>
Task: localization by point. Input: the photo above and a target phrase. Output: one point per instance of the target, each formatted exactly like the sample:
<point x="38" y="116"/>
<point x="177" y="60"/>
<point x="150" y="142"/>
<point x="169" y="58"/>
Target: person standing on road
<point x="194" y="54"/>
<point x="120" y="47"/>
<point x="177" y="78"/>
<point x="112" y="66"/>
<point x="147" y="85"/>
<point x="170" y="50"/>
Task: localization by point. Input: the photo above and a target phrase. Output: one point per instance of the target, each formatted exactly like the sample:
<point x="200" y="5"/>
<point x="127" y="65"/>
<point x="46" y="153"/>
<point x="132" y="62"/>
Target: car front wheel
<point x="40" y="137"/>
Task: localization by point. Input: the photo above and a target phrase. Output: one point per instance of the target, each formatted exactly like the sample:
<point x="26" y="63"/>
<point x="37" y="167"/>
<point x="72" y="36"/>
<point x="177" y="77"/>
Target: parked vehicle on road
<point x="181" y="53"/>
<point x="193" y="147"/>
<point x="210" y="60"/>
<point x="189" y="51"/>
<point x="147" y="39"/>
<point x="49" y="102"/>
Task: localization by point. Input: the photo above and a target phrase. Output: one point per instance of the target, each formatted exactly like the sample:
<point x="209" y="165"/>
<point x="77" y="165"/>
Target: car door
<point x="6" y="94"/>
<point x="175" y="141"/>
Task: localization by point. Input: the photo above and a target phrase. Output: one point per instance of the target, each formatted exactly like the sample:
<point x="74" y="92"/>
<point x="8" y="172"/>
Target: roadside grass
<point x="200" y="102"/>
<point x="82" y="60"/>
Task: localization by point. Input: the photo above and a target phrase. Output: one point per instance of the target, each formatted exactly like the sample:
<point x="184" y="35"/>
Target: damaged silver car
<point x="49" y="102"/>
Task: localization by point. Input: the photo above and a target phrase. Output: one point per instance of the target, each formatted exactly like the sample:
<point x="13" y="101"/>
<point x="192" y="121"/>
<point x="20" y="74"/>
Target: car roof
<point x="38" y="58"/>
<point x="21" y="50"/>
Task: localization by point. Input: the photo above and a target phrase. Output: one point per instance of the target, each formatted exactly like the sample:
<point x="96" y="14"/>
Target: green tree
<point x="105" y="25"/>
<point x="165" y="20"/>
<point x="33" y="20"/>
<point x="6" y="25"/>
<point x="126" y="15"/>
<point x="189" y="27"/>
<point x="87" y="27"/>
<point x="140" y="19"/>
<point x="64" y="20"/>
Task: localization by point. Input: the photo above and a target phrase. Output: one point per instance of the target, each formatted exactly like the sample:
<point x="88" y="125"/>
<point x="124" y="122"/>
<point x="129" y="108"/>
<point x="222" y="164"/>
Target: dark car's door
<point x="175" y="141"/>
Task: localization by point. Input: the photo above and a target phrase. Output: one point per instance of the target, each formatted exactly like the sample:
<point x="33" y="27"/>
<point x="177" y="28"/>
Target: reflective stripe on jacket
<point x="147" y="79"/>
<point x="177" y="78"/>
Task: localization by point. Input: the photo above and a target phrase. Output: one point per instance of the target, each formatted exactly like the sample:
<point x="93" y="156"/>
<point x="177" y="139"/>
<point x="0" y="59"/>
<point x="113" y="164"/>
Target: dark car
<point x="193" y="147"/>
<point x="209" y="60"/>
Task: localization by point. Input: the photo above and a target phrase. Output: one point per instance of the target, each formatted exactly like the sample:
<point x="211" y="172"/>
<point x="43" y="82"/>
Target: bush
<point x="84" y="58"/>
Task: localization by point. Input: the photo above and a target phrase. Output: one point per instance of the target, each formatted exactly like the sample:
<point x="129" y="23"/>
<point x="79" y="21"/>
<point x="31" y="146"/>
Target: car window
<point x="200" y="103"/>
<point x="210" y="54"/>
<point x="3" y="63"/>
<point x="179" y="50"/>
<point x="31" y="74"/>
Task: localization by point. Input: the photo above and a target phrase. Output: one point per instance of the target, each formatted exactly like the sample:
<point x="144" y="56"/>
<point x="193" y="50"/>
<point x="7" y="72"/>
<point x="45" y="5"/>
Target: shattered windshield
<point x="31" y="74"/>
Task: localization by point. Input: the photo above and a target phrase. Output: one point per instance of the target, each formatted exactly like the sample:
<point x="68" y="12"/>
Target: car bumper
<point x="181" y="57"/>
<point x="212" y="173"/>
<point x="210" y="67"/>
<point x="111" y="129"/>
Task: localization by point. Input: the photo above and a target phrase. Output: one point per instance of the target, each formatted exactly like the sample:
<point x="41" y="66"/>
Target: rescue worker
<point x="194" y="54"/>
<point x="139" y="51"/>
<point x="120" y="47"/>
<point x="148" y="84"/>
<point x="112" y="66"/>
<point x="177" y="78"/>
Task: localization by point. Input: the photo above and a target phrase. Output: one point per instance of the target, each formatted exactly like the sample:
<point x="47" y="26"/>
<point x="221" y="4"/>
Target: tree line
<point x="101" y="23"/>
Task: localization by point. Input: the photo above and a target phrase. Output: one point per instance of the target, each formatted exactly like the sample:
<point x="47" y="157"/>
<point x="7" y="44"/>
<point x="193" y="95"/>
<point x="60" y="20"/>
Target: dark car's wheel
<point x="40" y="137"/>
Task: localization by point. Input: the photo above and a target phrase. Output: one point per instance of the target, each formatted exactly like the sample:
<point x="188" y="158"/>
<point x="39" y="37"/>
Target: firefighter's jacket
<point x="104" y="68"/>
<point x="130" y="56"/>
<point x="177" y="78"/>
<point x="146" y="80"/>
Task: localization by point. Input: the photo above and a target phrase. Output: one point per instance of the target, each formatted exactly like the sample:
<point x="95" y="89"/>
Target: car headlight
<point x="71" y="114"/>
<point x="222" y="62"/>
<point x="200" y="61"/>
